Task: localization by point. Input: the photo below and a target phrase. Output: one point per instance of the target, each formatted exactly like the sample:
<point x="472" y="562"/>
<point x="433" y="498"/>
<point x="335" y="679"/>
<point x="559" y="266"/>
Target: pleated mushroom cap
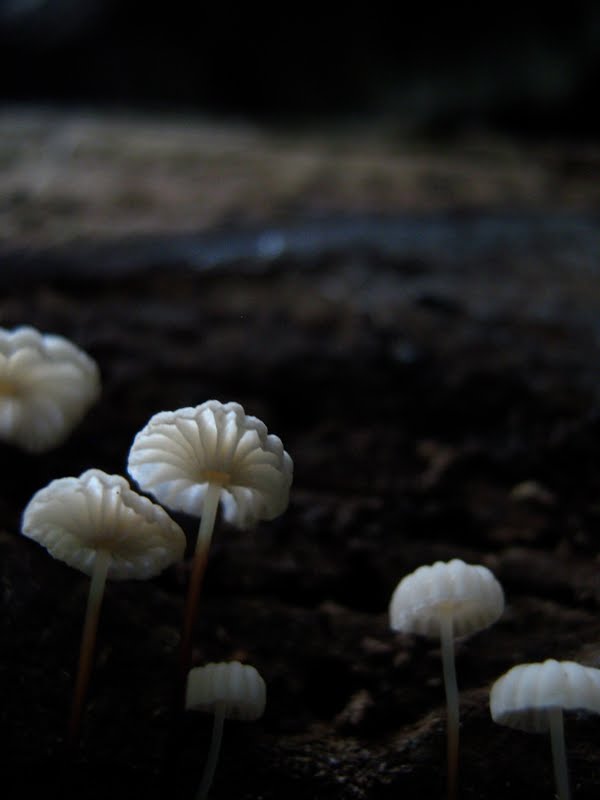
<point x="522" y="697"/>
<point x="178" y="453"/>
<point x="239" y="687"/>
<point x="469" y="592"/>
<point x="74" y="518"/>
<point x="46" y="386"/>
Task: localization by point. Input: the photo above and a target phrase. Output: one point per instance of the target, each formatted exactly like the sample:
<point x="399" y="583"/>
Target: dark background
<point x="527" y="70"/>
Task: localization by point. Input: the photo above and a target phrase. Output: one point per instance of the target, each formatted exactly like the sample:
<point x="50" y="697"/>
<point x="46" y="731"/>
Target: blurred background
<point x="520" y="68"/>
<point x="120" y="117"/>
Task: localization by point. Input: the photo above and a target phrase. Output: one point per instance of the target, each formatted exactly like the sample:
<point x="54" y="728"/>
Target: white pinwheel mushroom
<point x="99" y="525"/>
<point x="532" y="697"/>
<point x="195" y="458"/>
<point x="229" y="690"/>
<point x="191" y="459"/>
<point x="46" y="386"/>
<point x="447" y="600"/>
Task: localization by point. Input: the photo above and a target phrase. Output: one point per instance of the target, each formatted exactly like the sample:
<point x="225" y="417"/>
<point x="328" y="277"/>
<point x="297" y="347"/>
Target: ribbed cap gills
<point x="178" y="453"/>
<point x="74" y="518"/>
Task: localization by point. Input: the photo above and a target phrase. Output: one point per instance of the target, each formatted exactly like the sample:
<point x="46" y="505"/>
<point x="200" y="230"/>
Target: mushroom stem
<point x="559" y="755"/>
<point x="213" y="753"/>
<point x="200" y="560"/>
<point x="88" y="641"/>
<point x="447" y="643"/>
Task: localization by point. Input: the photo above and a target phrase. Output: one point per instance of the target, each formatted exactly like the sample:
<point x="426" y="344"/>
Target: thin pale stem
<point x="213" y="753"/>
<point x="559" y="754"/>
<point x="200" y="560"/>
<point x="447" y="642"/>
<point x="88" y="642"/>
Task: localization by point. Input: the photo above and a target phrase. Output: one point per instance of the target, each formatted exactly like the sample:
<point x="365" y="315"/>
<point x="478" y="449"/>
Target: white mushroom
<point x="447" y="600"/>
<point x="532" y="697"/>
<point x="229" y="690"/>
<point x="191" y="459"/>
<point x="99" y="525"/>
<point x="46" y="386"/>
<point x="194" y="459"/>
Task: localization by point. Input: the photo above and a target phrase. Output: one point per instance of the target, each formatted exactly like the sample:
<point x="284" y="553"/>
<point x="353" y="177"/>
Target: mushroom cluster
<point x="457" y="599"/>
<point x="47" y="384"/>
<point x="192" y="460"/>
<point x="214" y="456"/>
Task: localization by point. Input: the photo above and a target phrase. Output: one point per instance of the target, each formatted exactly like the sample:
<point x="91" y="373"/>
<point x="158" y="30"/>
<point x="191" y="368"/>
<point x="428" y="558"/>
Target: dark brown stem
<point x="200" y="560"/>
<point x="88" y="643"/>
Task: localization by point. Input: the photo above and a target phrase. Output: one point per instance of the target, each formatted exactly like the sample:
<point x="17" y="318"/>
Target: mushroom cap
<point x="179" y="452"/>
<point x="239" y="687"/>
<point x="522" y="697"/>
<point x="46" y="385"/>
<point x="469" y="592"/>
<point x="74" y="518"/>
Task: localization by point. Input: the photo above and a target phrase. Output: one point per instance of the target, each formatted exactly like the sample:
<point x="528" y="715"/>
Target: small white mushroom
<point x="532" y="697"/>
<point x="99" y="525"/>
<point x="46" y="386"/>
<point x="194" y="459"/>
<point x="447" y="600"/>
<point x="229" y="690"/>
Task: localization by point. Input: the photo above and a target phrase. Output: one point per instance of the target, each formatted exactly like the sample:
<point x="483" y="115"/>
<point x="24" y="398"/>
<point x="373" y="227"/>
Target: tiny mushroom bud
<point x="447" y="600"/>
<point x="532" y="697"/>
<point x="99" y="525"/>
<point x="229" y="690"/>
<point x="46" y="386"/>
<point x="195" y="458"/>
